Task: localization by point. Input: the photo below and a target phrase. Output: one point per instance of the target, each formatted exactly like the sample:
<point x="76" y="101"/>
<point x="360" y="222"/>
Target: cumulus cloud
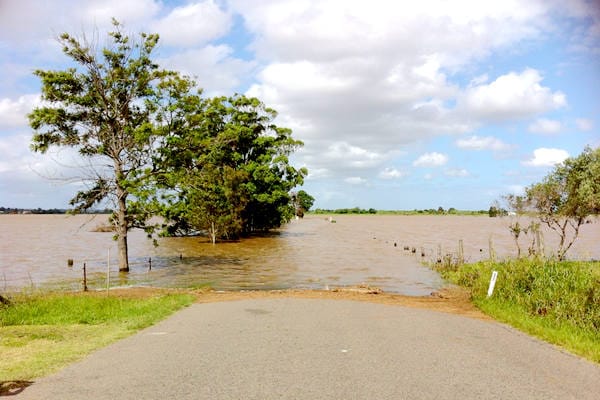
<point x="130" y="12"/>
<point x="34" y="22"/>
<point x="392" y="173"/>
<point x="431" y="160"/>
<point x="353" y="72"/>
<point x="545" y="126"/>
<point x="512" y="96"/>
<point x="482" y="143"/>
<point x="584" y="124"/>
<point x="13" y="113"/>
<point x="193" y="24"/>
<point x="338" y="158"/>
<point x="333" y="28"/>
<point x="213" y="66"/>
<point x="546" y="157"/>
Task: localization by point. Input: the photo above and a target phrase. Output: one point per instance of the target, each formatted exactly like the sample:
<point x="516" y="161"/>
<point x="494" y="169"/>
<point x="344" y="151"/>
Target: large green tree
<point x="106" y="107"/>
<point x="568" y="196"/>
<point x="229" y="166"/>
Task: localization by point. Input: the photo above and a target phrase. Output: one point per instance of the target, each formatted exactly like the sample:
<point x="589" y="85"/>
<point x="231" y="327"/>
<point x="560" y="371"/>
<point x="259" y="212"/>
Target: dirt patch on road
<point x="449" y="300"/>
<point x="452" y="300"/>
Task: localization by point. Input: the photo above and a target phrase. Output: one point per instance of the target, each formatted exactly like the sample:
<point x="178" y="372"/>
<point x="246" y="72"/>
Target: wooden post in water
<point x="492" y="251"/>
<point x="85" y="288"/>
<point x="461" y="253"/>
<point x="439" y="253"/>
<point x="149" y="263"/>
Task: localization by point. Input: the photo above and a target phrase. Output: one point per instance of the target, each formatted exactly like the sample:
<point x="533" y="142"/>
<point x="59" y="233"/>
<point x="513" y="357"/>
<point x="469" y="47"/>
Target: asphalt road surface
<point x="323" y="349"/>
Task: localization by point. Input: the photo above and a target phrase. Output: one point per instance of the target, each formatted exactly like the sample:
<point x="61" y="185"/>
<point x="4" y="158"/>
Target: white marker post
<point x="492" y="283"/>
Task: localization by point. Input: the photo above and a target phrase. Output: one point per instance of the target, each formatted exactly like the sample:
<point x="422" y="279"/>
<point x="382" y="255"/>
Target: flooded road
<point x="307" y="253"/>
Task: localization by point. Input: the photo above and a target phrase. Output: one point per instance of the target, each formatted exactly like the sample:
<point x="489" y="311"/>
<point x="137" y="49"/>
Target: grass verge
<point x="42" y="332"/>
<point x="558" y="302"/>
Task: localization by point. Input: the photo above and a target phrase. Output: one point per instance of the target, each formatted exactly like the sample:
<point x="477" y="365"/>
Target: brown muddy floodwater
<point x="308" y="253"/>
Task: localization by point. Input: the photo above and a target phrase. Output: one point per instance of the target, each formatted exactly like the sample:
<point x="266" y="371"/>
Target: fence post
<point x="461" y="252"/>
<point x="491" y="249"/>
<point x="85" y="288"/>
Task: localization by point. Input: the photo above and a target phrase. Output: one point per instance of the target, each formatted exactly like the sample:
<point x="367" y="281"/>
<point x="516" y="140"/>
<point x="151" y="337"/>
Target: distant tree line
<point x="355" y="210"/>
<point x="10" y="210"/>
<point x="428" y="211"/>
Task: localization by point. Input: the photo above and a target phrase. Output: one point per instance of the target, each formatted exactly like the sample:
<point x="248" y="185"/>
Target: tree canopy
<point x="229" y="168"/>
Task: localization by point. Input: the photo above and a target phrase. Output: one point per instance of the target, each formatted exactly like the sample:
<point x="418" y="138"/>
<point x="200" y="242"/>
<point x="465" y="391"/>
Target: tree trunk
<point x="122" y="224"/>
<point x="122" y="237"/>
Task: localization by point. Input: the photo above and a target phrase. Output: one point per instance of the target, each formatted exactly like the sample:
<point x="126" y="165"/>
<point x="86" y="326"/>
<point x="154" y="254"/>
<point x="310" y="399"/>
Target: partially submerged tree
<point x="229" y="168"/>
<point x="302" y="202"/>
<point x="105" y="108"/>
<point x="519" y="206"/>
<point x="568" y="196"/>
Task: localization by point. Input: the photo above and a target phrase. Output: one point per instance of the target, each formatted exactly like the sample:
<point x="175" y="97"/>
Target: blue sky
<point x="400" y="104"/>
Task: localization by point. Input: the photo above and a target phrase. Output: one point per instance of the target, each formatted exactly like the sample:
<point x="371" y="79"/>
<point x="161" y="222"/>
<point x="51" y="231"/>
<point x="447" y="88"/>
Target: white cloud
<point x="214" y="68"/>
<point x="431" y="160"/>
<point x="545" y="157"/>
<point x="355" y="180"/>
<point x="34" y="22"/>
<point x="342" y="157"/>
<point x="193" y="24"/>
<point x="130" y="12"/>
<point x="307" y="77"/>
<point x="353" y="72"/>
<point x="13" y="113"/>
<point x="327" y="29"/>
<point x="584" y="124"/>
<point x="392" y="173"/>
<point x="545" y="126"/>
<point x="482" y="143"/>
<point x="457" y="172"/>
<point x="512" y="96"/>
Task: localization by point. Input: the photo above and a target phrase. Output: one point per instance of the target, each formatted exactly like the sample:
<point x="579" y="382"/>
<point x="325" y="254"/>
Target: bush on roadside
<point x="557" y="290"/>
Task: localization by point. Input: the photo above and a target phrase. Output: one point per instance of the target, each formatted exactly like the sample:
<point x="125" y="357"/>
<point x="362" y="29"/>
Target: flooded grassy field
<point x="311" y="253"/>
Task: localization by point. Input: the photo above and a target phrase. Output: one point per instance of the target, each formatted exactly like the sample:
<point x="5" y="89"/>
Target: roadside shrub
<point x="559" y="290"/>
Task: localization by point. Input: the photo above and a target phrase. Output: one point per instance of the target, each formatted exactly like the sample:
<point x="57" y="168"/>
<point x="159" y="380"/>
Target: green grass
<point x="556" y="301"/>
<point x="40" y="333"/>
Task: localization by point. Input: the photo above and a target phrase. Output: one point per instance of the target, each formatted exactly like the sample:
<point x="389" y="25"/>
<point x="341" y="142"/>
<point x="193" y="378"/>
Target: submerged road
<point x="323" y="349"/>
